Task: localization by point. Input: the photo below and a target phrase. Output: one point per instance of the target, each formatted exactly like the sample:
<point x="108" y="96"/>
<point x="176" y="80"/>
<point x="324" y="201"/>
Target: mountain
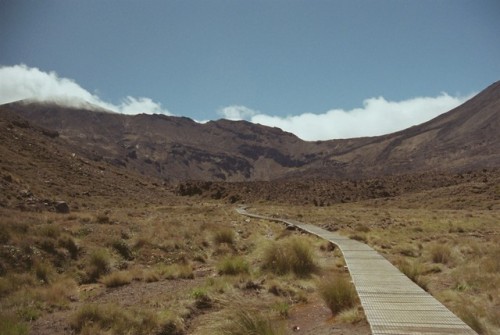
<point x="38" y="168"/>
<point x="177" y="148"/>
<point x="465" y="138"/>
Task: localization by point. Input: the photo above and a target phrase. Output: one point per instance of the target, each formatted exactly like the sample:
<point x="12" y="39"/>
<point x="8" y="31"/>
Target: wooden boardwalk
<point x="392" y="303"/>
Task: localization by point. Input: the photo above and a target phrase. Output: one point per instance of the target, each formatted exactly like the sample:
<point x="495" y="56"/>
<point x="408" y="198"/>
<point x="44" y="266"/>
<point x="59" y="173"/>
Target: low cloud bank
<point x="378" y="116"/>
<point x="20" y="82"/>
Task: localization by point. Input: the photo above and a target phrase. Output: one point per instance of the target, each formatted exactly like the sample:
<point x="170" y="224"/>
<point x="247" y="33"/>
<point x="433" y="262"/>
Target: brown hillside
<point x="176" y="148"/>
<point x="37" y="169"/>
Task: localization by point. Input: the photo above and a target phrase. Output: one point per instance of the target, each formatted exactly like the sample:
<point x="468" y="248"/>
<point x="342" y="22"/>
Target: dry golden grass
<point x="337" y="293"/>
<point x="175" y="245"/>
<point x="443" y="250"/>
<point x="291" y="255"/>
<point x="118" y="278"/>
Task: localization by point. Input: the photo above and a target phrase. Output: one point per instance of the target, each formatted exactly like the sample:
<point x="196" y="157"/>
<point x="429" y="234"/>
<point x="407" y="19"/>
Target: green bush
<point x="290" y="255"/>
<point x="338" y="294"/>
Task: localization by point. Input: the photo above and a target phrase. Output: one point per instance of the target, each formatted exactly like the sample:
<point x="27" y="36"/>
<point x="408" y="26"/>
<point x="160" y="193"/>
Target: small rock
<point x="61" y="207"/>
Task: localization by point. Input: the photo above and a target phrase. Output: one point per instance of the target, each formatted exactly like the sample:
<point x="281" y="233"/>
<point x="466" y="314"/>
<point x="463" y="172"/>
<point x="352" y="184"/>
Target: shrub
<point x="123" y="249"/>
<point x="233" y="266"/>
<point x="338" y="294"/>
<point x="252" y="322"/>
<point x="69" y="244"/>
<point x="225" y="235"/>
<point x="116" y="279"/>
<point x="291" y="255"/>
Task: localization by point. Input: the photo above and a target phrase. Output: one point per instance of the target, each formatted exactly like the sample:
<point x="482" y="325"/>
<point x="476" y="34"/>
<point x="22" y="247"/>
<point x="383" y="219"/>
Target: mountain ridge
<point x="178" y="148"/>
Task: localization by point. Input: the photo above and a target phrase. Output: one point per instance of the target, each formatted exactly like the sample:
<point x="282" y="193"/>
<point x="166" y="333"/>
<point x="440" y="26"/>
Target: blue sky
<point x="275" y="59"/>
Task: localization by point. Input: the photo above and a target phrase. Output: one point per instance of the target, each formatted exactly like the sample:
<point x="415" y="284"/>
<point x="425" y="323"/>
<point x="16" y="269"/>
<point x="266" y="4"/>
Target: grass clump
<point x="282" y="308"/>
<point x="338" y="294"/>
<point x="202" y="300"/>
<point x="253" y="323"/>
<point x="10" y="325"/>
<point x="177" y="271"/>
<point x="99" y="264"/>
<point x="352" y="315"/>
<point x="116" y="279"/>
<point x="43" y="272"/>
<point x="290" y="255"/>
<point x="441" y="253"/>
<point x="112" y="319"/>
<point x="414" y="271"/>
<point x="233" y="266"/>
<point x="471" y="318"/>
<point x="224" y="235"/>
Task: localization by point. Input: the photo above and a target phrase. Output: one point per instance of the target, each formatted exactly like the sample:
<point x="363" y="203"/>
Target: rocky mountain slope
<point x="177" y="148"/>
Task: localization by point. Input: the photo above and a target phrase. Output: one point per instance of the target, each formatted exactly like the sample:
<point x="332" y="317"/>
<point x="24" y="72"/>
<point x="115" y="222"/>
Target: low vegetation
<point x="338" y="293"/>
<point x="253" y="322"/>
<point x="117" y="266"/>
<point x="291" y="255"/>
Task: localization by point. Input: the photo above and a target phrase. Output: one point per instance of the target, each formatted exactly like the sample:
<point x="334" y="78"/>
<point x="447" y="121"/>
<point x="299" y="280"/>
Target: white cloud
<point x="21" y="82"/>
<point x="377" y="117"/>
<point x="236" y="112"/>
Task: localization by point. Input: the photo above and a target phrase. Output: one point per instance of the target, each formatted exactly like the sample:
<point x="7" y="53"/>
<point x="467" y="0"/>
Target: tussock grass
<point x="99" y="264"/>
<point x="352" y="315"/>
<point x="233" y="265"/>
<point x="223" y="235"/>
<point x="176" y="271"/>
<point x="470" y="316"/>
<point x="113" y="319"/>
<point x="282" y="308"/>
<point x="415" y="271"/>
<point x="290" y="255"/>
<point x="338" y="293"/>
<point x="247" y="322"/>
<point x="441" y="253"/>
<point x="44" y="271"/>
<point x="118" y="278"/>
<point x="11" y="325"/>
<point x="202" y="299"/>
